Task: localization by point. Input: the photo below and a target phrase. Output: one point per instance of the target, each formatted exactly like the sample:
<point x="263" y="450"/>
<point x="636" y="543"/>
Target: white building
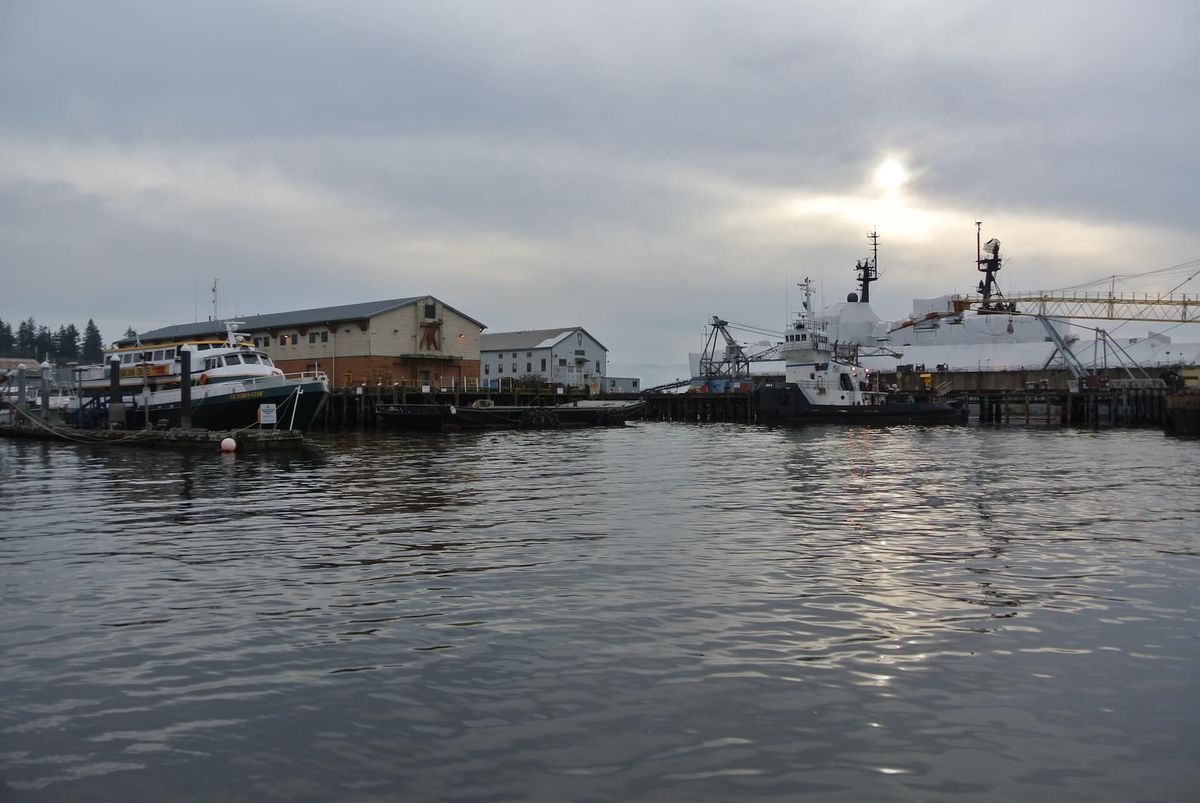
<point x="570" y="357"/>
<point x="621" y="384"/>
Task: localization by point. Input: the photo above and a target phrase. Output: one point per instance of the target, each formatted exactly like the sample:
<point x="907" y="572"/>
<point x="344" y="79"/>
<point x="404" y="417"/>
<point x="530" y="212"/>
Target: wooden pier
<point x="708" y="408"/>
<point x="355" y="406"/>
<point x="1008" y="397"/>
<point x="1107" y="398"/>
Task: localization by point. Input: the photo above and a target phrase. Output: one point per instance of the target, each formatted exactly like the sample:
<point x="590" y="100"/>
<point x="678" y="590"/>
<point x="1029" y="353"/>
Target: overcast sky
<point x="632" y="167"/>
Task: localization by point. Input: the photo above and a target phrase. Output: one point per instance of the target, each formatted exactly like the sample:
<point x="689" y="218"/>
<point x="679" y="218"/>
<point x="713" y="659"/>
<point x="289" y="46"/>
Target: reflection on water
<point x="659" y="612"/>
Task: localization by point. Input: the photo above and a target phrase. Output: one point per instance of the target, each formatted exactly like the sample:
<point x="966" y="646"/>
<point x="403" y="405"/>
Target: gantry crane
<point x="1104" y="306"/>
<point x="734" y="361"/>
<point x="1099" y="305"/>
<point x="1060" y="304"/>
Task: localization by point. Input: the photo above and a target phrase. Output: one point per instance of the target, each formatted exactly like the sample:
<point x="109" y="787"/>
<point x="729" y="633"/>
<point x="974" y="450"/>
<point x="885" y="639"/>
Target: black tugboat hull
<point x="787" y="405"/>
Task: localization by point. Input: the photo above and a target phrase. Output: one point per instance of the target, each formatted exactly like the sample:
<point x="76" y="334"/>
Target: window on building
<point x="312" y="337"/>
<point x="635" y="384"/>
<point x="562" y="360"/>
<point x="283" y="340"/>
<point x="324" y="337"/>
<point x="529" y="354"/>
<point x="255" y="341"/>
<point x="543" y="363"/>
<point x="430" y="310"/>
<point x="487" y="369"/>
<point x="500" y="368"/>
<point x="580" y="352"/>
<point x="267" y="340"/>
<point x="514" y="367"/>
<point x="296" y="339"/>
<point x="528" y="367"/>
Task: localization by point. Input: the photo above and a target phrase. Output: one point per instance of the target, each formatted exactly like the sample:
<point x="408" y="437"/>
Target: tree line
<point x="66" y="344"/>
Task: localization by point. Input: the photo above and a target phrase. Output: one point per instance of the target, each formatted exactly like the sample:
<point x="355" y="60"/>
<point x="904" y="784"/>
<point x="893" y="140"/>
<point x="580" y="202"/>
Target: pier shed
<point x="408" y="341"/>
<point x="568" y="356"/>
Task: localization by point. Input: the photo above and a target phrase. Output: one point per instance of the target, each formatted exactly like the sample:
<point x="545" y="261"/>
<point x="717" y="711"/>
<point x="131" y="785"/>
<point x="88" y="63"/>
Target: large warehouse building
<point x="413" y="341"/>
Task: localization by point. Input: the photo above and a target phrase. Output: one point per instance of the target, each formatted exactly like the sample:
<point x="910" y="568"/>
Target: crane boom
<point x="1104" y="306"/>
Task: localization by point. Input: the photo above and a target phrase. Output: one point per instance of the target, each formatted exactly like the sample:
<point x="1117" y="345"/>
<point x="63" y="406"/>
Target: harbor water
<point x="659" y="612"/>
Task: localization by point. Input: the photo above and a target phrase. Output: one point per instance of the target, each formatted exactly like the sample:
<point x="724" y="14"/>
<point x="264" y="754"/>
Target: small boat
<point x="820" y="387"/>
<point x="230" y="381"/>
<point x="483" y="414"/>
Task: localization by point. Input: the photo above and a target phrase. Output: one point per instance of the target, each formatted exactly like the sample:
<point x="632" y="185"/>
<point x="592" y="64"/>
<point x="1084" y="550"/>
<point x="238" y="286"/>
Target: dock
<point x="1054" y="397"/>
<point x="356" y="406"/>
<point x="248" y="440"/>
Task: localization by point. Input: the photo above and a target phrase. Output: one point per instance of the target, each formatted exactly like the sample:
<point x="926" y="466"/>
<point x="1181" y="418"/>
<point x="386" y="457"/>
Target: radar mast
<point x="868" y="269"/>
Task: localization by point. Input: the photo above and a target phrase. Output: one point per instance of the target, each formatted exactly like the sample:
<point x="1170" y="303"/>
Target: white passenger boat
<point x="229" y="381"/>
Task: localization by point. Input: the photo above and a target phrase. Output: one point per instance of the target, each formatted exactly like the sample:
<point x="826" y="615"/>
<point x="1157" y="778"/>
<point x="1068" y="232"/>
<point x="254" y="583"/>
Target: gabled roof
<point x="277" y="320"/>
<point x="530" y="339"/>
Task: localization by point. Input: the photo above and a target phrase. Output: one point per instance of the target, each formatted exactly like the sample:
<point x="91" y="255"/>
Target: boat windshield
<point x="233" y="359"/>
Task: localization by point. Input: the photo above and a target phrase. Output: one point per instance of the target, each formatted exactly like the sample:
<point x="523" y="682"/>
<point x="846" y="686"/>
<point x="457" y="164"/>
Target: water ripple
<point x="660" y="612"/>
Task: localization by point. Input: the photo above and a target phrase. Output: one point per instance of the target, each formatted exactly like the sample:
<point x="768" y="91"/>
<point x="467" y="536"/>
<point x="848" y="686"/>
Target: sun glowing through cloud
<point x="890" y="175"/>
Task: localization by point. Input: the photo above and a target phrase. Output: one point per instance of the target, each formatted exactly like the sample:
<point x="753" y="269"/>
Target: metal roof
<point x="277" y="320"/>
<point x="530" y="339"/>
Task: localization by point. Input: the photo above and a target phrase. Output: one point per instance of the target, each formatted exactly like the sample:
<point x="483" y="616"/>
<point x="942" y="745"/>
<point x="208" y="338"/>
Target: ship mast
<point x="989" y="266"/>
<point x="868" y="269"/>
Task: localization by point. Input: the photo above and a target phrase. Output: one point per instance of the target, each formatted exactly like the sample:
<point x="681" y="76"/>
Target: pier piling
<point x="185" y="388"/>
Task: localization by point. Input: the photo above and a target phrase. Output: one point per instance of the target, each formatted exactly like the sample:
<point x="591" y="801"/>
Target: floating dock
<point x="250" y="440"/>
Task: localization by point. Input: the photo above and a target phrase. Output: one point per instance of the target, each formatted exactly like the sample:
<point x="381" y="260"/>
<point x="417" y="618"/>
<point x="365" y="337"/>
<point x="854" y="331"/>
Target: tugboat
<point x="822" y="386"/>
<point x="228" y="381"/>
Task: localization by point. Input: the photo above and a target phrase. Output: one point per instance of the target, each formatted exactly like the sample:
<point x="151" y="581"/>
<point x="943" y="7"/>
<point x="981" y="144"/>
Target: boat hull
<point x="238" y="409"/>
<point x="788" y="405"/>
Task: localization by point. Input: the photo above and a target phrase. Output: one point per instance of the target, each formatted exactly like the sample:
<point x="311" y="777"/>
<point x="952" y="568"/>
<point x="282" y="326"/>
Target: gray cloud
<point x="634" y="168"/>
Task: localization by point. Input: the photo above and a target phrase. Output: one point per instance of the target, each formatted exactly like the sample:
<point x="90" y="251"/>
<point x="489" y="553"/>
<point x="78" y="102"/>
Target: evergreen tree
<point x="26" y="332"/>
<point x="43" y="344"/>
<point x="66" y="342"/>
<point x="7" y="341"/>
<point x="93" y="345"/>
